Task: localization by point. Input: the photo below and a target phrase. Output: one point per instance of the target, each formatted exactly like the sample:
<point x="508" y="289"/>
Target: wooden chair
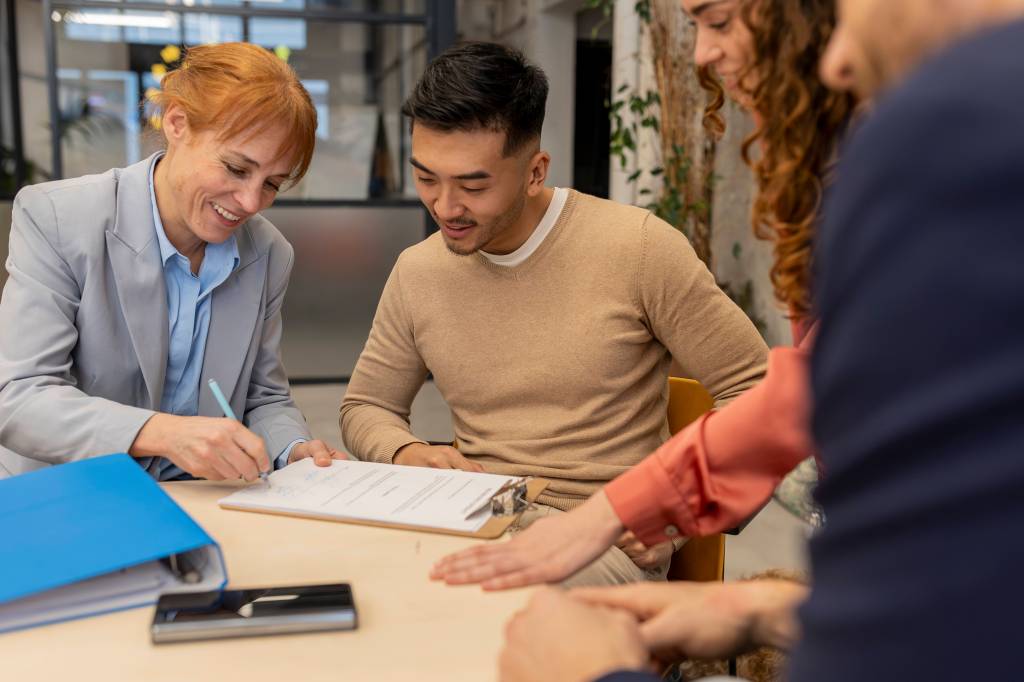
<point x="700" y="559"/>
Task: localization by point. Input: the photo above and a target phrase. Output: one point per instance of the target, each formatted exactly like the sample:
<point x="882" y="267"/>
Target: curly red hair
<point x="799" y="121"/>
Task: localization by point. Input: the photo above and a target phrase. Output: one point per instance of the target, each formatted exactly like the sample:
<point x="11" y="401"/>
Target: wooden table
<point x="409" y="627"/>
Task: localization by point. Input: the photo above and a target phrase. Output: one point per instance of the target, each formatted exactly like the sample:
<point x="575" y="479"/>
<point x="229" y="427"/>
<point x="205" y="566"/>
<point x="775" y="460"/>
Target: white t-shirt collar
<point x="510" y="260"/>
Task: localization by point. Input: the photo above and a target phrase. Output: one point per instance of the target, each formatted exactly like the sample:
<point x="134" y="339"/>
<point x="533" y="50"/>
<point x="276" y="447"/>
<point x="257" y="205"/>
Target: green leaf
<point x="643" y="10"/>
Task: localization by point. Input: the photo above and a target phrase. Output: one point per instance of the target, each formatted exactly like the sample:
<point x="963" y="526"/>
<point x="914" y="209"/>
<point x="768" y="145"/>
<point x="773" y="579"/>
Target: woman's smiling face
<point x="724" y="43"/>
<point x="215" y="184"/>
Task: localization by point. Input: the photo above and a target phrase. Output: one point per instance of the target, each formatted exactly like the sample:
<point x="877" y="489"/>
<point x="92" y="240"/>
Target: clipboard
<point x="493" y="528"/>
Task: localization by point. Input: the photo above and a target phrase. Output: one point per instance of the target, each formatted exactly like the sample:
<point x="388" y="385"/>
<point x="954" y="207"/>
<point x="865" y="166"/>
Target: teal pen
<point x="230" y="414"/>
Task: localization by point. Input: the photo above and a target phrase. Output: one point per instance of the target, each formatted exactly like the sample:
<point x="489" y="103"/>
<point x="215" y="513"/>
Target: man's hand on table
<point x="322" y="453"/>
<point x="643" y="556"/>
<point x="557" y="637"/>
<point x="435" y="457"/>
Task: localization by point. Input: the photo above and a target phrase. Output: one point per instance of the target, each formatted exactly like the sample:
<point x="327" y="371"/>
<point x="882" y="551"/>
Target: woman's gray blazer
<point x="83" y="325"/>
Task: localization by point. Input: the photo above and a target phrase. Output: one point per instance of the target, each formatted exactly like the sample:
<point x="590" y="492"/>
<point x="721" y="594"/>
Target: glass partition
<point x="358" y="74"/>
<point x="343" y="256"/>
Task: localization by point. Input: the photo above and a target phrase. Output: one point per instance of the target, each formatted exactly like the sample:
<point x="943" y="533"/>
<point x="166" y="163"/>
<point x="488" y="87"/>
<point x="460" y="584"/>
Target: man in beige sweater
<point x="547" y="317"/>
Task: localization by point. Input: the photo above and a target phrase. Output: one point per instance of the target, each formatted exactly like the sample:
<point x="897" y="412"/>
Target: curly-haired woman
<point x="723" y="467"/>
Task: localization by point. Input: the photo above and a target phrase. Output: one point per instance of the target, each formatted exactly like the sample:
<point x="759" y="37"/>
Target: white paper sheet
<point x="367" y="491"/>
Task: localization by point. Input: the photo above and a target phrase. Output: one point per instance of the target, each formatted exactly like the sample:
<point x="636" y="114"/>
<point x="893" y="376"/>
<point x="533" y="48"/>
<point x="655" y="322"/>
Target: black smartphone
<point x="242" y="613"/>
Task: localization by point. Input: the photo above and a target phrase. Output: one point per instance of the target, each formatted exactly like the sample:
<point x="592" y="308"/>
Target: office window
<point x="359" y="68"/>
<point x="363" y="78"/>
<point x="93" y="24"/>
<point x="273" y="32"/>
<point x="165" y="28"/>
<point x="203" y="29"/>
<point x="318" y="91"/>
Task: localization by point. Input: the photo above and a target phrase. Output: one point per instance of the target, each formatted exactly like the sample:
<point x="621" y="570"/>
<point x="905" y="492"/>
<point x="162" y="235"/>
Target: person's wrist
<point x="151" y="440"/>
<point x="771" y="608"/>
<point x="287" y="455"/>
<point x="601" y="518"/>
<point x="408" y="451"/>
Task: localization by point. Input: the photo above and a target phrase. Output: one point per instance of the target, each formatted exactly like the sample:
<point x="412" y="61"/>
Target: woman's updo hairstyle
<point x="241" y="88"/>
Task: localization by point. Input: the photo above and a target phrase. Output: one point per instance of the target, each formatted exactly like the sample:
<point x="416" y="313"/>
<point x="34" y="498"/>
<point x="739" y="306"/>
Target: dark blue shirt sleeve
<point x="628" y="676"/>
<point x="918" y="382"/>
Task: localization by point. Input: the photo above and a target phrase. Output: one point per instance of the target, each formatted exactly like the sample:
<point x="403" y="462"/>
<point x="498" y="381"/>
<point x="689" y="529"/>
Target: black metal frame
<point x="319" y="381"/>
<point x="14" y="96"/>
<point x="438" y="22"/>
<point x="341" y="16"/>
<point x="440" y="26"/>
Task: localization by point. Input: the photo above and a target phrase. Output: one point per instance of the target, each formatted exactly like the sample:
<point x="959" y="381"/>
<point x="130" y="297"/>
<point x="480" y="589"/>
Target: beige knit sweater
<point x="556" y="367"/>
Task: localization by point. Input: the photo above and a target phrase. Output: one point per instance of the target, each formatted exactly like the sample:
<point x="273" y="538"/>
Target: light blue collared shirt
<point x="189" y="299"/>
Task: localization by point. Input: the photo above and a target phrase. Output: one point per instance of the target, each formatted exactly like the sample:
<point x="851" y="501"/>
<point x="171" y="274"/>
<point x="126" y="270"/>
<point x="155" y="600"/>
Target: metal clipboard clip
<point x="508" y="500"/>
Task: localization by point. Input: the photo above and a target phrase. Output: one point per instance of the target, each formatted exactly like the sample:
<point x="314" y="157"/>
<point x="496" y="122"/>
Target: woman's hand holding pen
<point x="206" y="447"/>
<point x="550" y="550"/>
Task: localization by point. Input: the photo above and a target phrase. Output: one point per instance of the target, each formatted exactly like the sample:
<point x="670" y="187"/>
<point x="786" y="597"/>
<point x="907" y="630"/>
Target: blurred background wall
<point x="356" y="210"/>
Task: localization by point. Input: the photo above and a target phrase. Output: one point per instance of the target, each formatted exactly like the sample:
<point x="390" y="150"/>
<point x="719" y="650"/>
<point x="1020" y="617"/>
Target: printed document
<point x="381" y="493"/>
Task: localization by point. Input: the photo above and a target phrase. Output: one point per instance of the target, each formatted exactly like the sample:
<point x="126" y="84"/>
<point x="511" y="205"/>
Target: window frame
<point x="438" y="22"/>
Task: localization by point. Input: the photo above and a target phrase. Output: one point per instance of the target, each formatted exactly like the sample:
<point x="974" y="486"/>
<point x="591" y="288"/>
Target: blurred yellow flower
<point x="170" y="54"/>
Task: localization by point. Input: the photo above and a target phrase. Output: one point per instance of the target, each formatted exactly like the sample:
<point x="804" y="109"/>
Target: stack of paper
<point x="387" y="494"/>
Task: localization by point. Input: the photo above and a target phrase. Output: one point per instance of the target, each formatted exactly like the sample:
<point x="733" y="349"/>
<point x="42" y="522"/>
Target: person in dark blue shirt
<point x="918" y="378"/>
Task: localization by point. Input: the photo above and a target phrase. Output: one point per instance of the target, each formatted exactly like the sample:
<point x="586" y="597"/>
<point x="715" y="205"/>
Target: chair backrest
<point x="700" y="559"/>
<point x="687" y="400"/>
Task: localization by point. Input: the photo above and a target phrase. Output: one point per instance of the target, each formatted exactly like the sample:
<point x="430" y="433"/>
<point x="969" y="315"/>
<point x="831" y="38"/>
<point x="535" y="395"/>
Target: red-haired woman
<point x="724" y="467"/>
<point x="131" y="289"/>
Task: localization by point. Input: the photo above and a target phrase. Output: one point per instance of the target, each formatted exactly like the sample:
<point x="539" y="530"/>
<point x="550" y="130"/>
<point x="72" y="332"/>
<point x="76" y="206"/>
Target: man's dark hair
<point x="478" y="85"/>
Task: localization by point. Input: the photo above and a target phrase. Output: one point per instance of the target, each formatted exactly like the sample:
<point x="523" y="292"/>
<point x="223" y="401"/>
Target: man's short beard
<point x="488" y="233"/>
<point x="452" y="246"/>
<point x="451" y="249"/>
